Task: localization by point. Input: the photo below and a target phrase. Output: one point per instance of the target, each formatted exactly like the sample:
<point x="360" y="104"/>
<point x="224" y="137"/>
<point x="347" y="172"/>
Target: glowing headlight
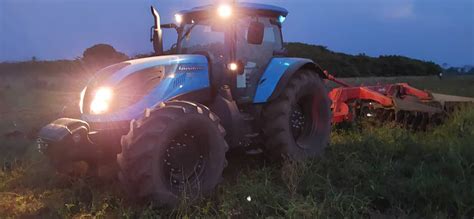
<point x="101" y="102"/>
<point x="178" y="18"/>
<point x="224" y="11"/>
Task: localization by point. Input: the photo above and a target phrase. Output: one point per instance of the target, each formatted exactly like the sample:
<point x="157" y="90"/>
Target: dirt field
<point x="369" y="172"/>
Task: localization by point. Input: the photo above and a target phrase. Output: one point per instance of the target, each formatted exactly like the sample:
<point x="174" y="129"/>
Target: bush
<point x="102" y="55"/>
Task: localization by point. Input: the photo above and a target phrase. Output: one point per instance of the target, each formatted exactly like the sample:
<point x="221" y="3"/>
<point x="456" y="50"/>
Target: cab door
<point x="255" y="57"/>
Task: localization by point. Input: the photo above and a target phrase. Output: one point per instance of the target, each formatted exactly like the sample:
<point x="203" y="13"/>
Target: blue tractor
<point x="169" y="120"/>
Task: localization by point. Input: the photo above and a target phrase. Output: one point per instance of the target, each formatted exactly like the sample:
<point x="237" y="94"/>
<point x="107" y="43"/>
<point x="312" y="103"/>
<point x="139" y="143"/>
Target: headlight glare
<point x="101" y="102"/>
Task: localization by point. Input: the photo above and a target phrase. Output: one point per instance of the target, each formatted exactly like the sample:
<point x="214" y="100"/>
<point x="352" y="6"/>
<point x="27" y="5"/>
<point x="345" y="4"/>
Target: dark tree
<point x="102" y="55"/>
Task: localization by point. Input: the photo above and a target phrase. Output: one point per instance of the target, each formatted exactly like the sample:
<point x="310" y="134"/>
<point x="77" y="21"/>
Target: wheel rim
<point x="302" y="121"/>
<point x="297" y="121"/>
<point x="185" y="159"/>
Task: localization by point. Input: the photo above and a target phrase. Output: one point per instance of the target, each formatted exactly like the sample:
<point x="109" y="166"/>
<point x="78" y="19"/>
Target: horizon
<point x="438" y="31"/>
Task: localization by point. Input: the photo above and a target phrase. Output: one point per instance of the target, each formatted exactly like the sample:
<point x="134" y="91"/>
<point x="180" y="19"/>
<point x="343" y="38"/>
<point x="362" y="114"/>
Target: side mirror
<point x="157" y="34"/>
<point x="255" y="33"/>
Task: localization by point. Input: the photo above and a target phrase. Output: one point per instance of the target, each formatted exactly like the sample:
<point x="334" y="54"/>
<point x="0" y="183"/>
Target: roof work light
<point x="224" y="11"/>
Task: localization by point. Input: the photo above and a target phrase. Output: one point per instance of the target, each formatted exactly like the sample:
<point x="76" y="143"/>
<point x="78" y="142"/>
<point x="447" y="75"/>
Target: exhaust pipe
<point x="157" y="34"/>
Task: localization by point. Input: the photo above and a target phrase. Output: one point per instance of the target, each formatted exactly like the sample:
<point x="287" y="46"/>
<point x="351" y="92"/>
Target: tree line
<point x="340" y="64"/>
<point x="93" y="58"/>
<point x="344" y="65"/>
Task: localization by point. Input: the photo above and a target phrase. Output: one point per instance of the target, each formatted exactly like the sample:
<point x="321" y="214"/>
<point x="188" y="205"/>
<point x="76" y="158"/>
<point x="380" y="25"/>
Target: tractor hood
<point x="123" y="91"/>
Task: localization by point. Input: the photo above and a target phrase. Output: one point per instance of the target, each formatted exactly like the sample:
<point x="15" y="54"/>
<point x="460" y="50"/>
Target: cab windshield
<point x="204" y="36"/>
<point x="214" y="39"/>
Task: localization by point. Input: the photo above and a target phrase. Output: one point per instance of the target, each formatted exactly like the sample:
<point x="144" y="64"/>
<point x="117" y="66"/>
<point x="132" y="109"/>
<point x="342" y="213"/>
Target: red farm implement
<point x="401" y="103"/>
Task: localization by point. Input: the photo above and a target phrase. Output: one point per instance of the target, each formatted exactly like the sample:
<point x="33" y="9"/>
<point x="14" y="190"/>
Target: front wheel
<point x="175" y="152"/>
<point x="297" y="124"/>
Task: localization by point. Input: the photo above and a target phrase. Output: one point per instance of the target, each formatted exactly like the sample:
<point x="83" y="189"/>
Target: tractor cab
<point x="239" y="40"/>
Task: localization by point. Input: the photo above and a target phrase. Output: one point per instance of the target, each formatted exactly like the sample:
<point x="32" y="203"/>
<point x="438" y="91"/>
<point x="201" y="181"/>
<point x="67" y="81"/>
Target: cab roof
<point x="268" y="10"/>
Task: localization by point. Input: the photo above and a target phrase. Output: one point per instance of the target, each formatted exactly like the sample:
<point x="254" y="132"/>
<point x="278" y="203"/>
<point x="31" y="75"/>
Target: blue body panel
<point x="242" y="6"/>
<point x="272" y="75"/>
<point x="175" y="82"/>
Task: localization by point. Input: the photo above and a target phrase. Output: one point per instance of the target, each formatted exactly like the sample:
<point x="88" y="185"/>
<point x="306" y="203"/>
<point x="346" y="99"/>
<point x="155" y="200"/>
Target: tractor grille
<point x="179" y="80"/>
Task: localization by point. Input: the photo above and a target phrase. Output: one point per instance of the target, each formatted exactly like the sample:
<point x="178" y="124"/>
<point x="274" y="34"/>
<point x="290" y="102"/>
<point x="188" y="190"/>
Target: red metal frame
<point x="381" y="94"/>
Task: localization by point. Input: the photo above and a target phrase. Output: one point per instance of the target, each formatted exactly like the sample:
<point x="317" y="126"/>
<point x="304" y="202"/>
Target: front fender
<point x="277" y="75"/>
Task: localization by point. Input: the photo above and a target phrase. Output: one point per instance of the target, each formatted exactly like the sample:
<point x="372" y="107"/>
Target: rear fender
<point x="278" y="73"/>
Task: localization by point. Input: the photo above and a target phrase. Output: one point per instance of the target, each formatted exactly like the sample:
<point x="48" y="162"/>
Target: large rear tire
<point x="175" y="152"/>
<point x="297" y="124"/>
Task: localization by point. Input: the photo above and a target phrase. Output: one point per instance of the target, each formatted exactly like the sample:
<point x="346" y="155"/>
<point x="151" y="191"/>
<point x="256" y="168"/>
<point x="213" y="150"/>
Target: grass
<point x="368" y="172"/>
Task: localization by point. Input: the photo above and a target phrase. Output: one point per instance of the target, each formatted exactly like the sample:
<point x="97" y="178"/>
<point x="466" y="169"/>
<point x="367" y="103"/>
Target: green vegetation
<point x="378" y="171"/>
<point x="343" y="65"/>
<point x="373" y="171"/>
<point x="102" y="55"/>
<point x="35" y="68"/>
<point x="466" y="70"/>
<point x="340" y="64"/>
<point x="93" y="58"/>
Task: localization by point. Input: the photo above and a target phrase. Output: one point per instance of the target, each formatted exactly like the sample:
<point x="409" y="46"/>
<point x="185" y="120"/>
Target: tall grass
<point x="368" y="172"/>
<point x="379" y="171"/>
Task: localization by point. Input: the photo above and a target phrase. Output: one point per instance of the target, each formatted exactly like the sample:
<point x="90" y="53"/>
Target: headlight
<point x="101" y="102"/>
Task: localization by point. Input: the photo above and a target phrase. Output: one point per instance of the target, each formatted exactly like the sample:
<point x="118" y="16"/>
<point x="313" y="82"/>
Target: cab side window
<point x="258" y="54"/>
<point x="272" y="36"/>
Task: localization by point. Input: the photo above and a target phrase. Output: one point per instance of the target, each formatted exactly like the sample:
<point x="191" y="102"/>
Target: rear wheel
<point x="297" y="124"/>
<point x="175" y="152"/>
